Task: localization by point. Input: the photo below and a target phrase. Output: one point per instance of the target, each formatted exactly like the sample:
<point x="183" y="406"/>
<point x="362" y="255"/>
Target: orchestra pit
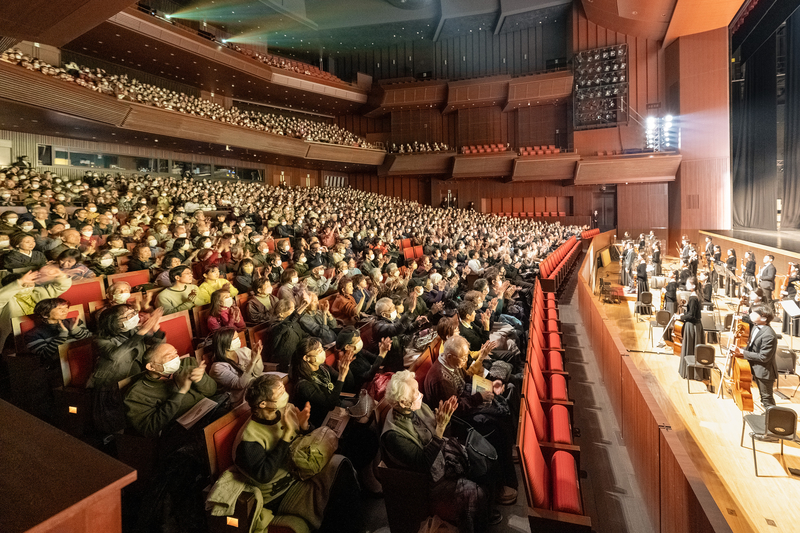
<point x="399" y="266"/>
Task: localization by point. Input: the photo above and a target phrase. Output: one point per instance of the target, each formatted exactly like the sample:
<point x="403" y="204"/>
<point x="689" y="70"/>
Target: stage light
<point x="167" y="17"/>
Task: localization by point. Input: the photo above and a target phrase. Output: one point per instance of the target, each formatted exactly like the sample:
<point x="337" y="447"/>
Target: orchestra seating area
<point x="539" y="150"/>
<point x="484" y="149"/>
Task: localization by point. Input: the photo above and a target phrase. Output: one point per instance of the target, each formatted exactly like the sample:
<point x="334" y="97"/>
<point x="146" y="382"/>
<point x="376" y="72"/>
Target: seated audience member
<point x="245" y="275"/>
<point x="234" y="366"/>
<point x="53" y="329"/>
<point x="260" y="304"/>
<point x="317" y="320"/>
<point x="413" y="439"/>
<point x="321" y="386"/>
<point x="212" y="282"/>
<point x="23" y="254"/>
<point x="141" y="259"/>
<point x="70" y="240"/>
<point x="390" y="325"/>
<point x="19" y="295"/>
<point x="182" y="295"/>
<point x="365" y="363"/>
<point x="344" y="306"/>
<point x="8" y="221"/>
<point x="318" y="283"/>
<point x="169" y="387"/>
<point x="329" y="501"/>
<point x="446" y="378"/>
<point x="102" y="264"/>
<point x="289" y="284"/>
<point x="120" y="344"/>
<point x="224" y="312"/>
<point x="286" y="333"/>
<point x="170" y="261"/>
<point x="116" y="246"/>
<point x="70" y="262"/>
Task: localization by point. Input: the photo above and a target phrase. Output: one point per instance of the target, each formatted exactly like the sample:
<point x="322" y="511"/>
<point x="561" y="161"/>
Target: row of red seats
<point x="539" y="150"/>
<point x="484" y="149"/>
<point x="553" y="270"/>
<point x="589" y="233"/>
<point x="549" y="459"/>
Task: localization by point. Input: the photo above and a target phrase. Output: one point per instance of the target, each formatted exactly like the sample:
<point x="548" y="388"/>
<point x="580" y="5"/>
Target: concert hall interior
<point x="399" y="266"/>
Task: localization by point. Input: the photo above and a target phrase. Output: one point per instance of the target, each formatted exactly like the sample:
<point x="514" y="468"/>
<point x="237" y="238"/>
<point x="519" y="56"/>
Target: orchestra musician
<point x="671" y="293"/>
<point x="641" y="278"/>
<point x="704" y="291"/>
<point x="760" y="353"/>
<point x="756" y="298"/>
<point x="719" y="282"/>
<point x="685" y="249"/>
<point x="749" y="271"/>
<point x="709" y="252"/>
<point x="656" y="259"/>
<point x="683" y="275"/>
<point x="791" y="326"/>
<point x="730" y="264"/>
<point x="642" y="243"/>
<point x="692" y="336"/>
<point x="627" y="264"/>
<point x="766" y="279"/>
<point x="693" y="262"/>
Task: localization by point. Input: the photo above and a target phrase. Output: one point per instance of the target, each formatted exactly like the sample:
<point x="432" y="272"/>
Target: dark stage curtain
<point x="755" y="141"/>
<point x="790" y="213"/>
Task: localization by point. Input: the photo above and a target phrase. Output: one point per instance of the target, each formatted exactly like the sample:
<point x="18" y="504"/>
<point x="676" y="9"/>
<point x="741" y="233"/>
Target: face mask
<point x="393" y="314"/>
<point x="754" y="317"/>
<point x="171" y="366"/>
<point x="181" y="236"/>
<point x="227" y="302"/>
<point x="87" y="233"/>
<point x="236" y="343"/>
<point x="186" y="246"/>
<point x="122" y="297"/>
<point x="282" y="401"/>
<point x="92" y="209"/>
<point x="66" y="226"/>
<point x="233" y="241"/>
<point x="358" y="346"/>
<point x="206" y="233"/>
<point x="295" y="280"/>
<point x="131" y="323"/>
<point x="152" y="242"/>
<point x="27" y="227"/>
<point x="11" y="221"/>
<point x="417" y="404"/>
<point x="207" y="244"/>
<point x="4" y="244"/>
<point x="107" y="262"/>
<point x="114" y="210"/>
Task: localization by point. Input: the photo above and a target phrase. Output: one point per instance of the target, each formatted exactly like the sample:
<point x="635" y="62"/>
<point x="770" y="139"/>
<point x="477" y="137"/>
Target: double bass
<point x="741" y="374"/>
<point x="676" y="339"/>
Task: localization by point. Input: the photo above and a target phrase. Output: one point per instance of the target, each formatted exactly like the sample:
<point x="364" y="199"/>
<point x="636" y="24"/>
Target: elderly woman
<point x="23" y="254"/>
<point x="344" y="306"/>
<point x="328" y="501"/>
<point x="319" y="385"/>
<point x="120" y="344"/>
<point x="317" y="320"/>
<point x="413" y="439"/>
<point x="260" y="304"/>
<point x="286" y="333"/>
<point x="235" y="366"/>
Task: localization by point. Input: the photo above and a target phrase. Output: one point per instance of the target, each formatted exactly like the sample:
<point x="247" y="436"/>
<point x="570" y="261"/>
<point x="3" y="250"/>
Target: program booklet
<point x="337" y="420"/>
<point x="480" y="384"/>
<point x="197" y="412"/>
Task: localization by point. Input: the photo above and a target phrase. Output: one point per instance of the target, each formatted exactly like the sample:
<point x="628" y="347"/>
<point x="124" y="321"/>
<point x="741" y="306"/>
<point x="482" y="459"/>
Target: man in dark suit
<point x="760" y="352"/>
<point x="766" y="279"/>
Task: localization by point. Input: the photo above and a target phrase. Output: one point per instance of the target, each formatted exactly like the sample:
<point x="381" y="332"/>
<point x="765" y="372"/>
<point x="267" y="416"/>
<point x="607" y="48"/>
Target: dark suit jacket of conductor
<point x="760" y="352"/>
<point x="767" y="280"/>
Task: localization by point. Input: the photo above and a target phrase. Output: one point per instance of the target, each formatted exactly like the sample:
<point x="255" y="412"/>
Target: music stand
<point x="793" y="311"/>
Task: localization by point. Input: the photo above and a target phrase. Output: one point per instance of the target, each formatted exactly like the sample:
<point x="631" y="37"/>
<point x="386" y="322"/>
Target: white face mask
<point x="754" y="317"/>
<point x="186" y="246"/>
<point x="181" y="235"/>
<point x="152" y="242"/>
<point x="207" y="244"/>
<point x="107" y="262"/>
<point x="227" y="302"/>
<point x="393" y="314"/>
<point x="171" y="366"/>
<point x="206" y="233"/>
<point x="131" y="323"/>
<point x="11" y="221"/>
<point x="319" y="358"/>
<point x="295" y="280"/>
<point x="27" y="227"/>
<point x="87" y="233"/>
<point x="236" y="343"/>
<point x="233" y="241"/>
<point x="122" y="297"/>
<point x="283" y="401"/>
<point x="92" y="209"/>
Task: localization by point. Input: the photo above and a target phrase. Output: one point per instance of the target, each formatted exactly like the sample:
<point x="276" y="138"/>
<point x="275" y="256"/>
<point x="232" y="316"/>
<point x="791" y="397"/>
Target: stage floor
<point x="786" y="241"/>
<point x="711" y="427"/>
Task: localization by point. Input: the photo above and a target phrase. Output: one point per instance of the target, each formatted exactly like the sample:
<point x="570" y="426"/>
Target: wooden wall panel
<point x="486" y="125"/>
<point x="363" y="126"/>
<point x="539" y="205"/>
<point x="543" y="125"/>
<point x="642" y="207"/>
<point x="421" y="125"/>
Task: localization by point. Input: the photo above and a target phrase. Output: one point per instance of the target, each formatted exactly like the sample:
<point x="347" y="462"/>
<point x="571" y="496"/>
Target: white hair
<point x="384" y="305"/>
<point x="399" y="387"/>
<point x="436" y="278"/>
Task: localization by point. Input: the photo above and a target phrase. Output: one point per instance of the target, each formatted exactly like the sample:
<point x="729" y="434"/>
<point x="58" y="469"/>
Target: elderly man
<point x="447" y="378"/>
<point x="318" y="283"/>
<point x="261" y="451"/>
<point x="70" y="240"/>
<point x="169" y="387"/>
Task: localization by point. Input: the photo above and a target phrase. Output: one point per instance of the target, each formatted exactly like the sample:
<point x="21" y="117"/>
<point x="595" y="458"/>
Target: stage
<point x="710" y="427"/>
<point x="784" y="243"/>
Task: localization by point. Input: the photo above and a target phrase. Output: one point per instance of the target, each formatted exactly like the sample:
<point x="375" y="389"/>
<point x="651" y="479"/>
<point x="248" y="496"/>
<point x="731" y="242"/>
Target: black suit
<point x="766" y="280"/>
<point x="760" y="352"/>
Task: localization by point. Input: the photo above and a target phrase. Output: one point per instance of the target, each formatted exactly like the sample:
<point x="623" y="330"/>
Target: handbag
<point x="312" y="452"/>
<point x="482" y="455"/>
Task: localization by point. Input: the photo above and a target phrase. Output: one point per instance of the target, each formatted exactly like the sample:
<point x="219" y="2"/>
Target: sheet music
<point x="791" y="308"/>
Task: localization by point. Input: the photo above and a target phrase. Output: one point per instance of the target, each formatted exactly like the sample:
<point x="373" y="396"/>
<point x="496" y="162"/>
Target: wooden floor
<point x="711" y="427"/>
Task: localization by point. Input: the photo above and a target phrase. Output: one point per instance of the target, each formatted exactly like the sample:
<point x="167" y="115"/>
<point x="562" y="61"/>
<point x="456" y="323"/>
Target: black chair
<point x="778" y="422"/>
<point x="662" y="319"/>
<point x="645" y="303"/>
<point x="704" y="356"/>
<point x="787" y="365"/>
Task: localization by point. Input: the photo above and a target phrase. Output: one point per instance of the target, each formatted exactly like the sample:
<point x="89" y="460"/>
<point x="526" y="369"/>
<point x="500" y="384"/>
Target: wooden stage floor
<point x="710" y="429"/>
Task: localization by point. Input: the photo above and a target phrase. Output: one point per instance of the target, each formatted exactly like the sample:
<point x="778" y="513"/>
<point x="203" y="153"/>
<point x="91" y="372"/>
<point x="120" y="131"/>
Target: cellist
<point x="760" y="353"/>
<point x="692" y="336"/>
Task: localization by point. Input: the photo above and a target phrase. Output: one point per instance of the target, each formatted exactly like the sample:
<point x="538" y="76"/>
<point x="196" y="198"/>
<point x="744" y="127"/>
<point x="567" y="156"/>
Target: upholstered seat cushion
<point x="564" y="479"/>
<point x="559" y="425"/>
<point x="558" y="387"/>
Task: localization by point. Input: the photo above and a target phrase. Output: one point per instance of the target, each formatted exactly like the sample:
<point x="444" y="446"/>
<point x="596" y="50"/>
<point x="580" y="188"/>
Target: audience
<point x="235" y="366"/>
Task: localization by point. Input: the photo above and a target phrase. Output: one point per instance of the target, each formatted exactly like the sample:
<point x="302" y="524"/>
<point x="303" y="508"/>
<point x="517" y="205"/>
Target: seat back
<point x="647" y="298"/>
<point x="534" y="408"/>
<point x="663" y="317"/>
<point x="83" y="292"/>
<point x="178" y="331"/>
<point x="200" y="316"/>
<point x="77" y="362"/>
<point x="138" y="277"/>
<point x="786" y="361"/>
<point x="406" y="496"/>
<point x="781" y="422"/>
<point x="220" y="436"/>
<point x="704" y="354"/>
<point x="537" y="477"/>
